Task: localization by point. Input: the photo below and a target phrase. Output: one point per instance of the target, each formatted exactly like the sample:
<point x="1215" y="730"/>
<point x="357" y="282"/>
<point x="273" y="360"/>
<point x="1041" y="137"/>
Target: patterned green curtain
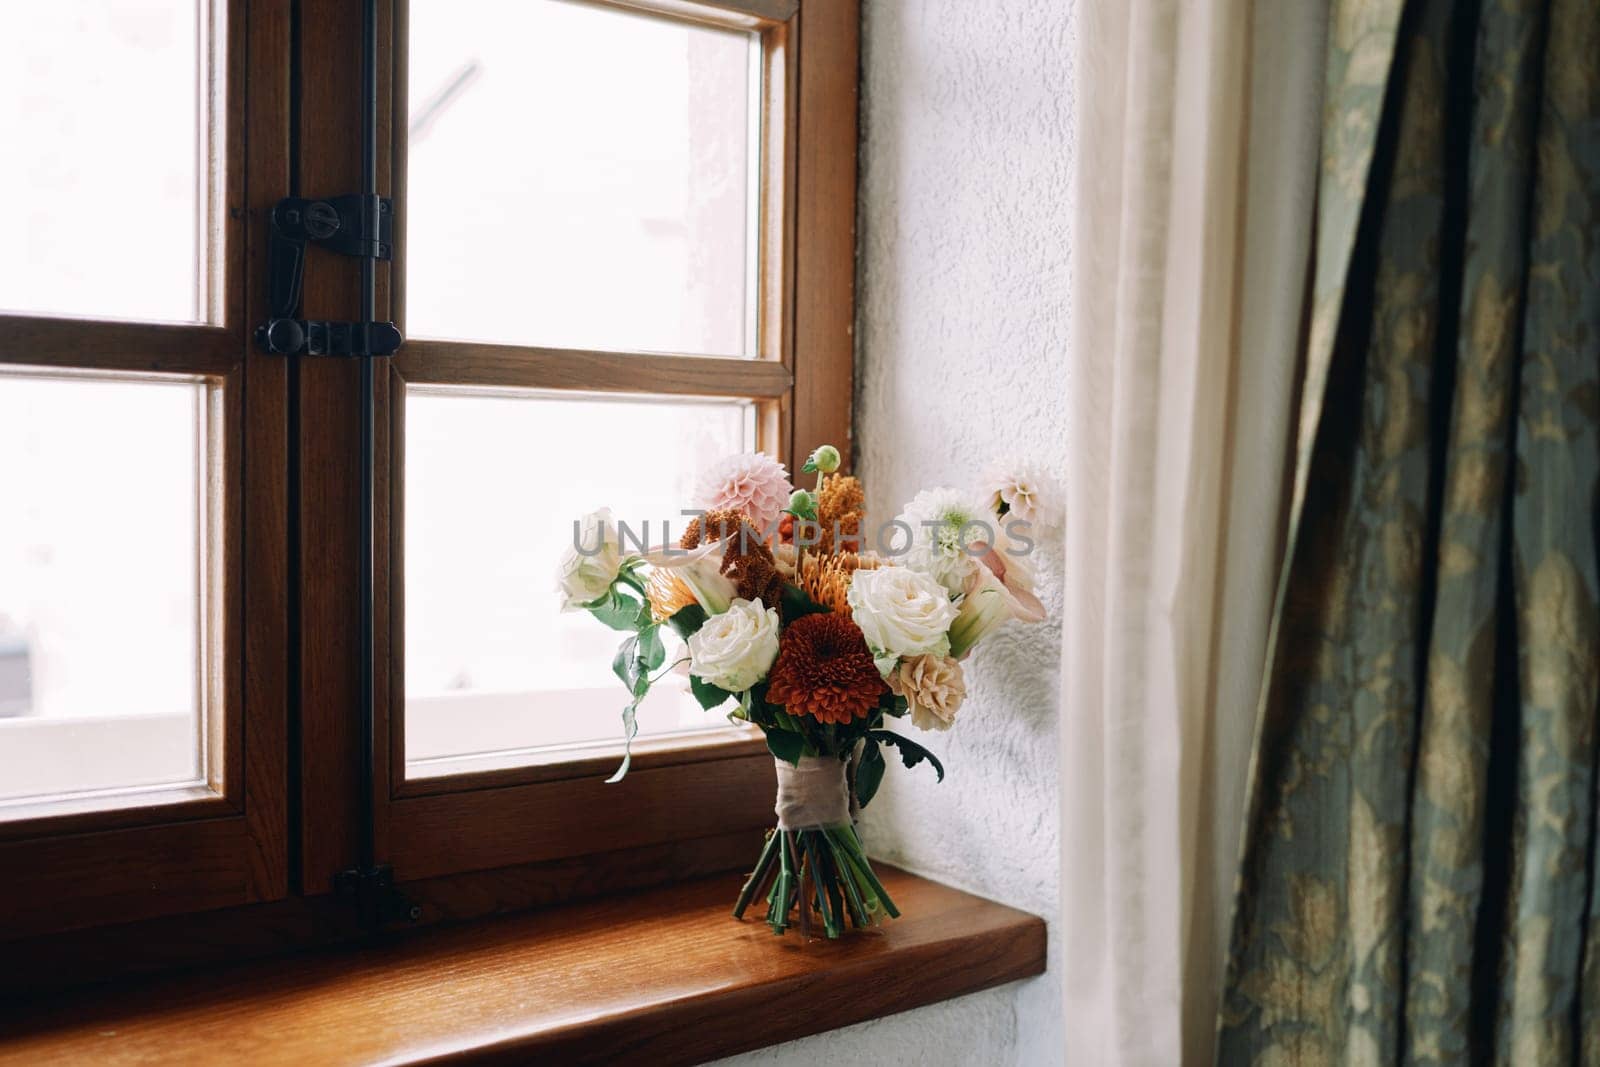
<point x="1419" y="880"/>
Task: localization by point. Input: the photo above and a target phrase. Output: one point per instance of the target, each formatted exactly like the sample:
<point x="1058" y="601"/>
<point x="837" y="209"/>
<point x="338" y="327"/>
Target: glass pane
<point x="579" y="177"/>
<point x="101" y="123"/>
<point x="493" y="484"/>
<point x="99" y="585"/>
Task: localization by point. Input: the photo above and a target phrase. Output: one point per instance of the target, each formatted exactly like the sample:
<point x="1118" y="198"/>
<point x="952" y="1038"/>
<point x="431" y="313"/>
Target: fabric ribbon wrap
<point x="812" y="794"/>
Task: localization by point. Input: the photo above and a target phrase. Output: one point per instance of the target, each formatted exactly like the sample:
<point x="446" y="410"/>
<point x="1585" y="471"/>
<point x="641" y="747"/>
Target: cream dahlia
<point x="1018" y="489"/>
<point x="752" y="482"/>
<point x="945" y="526"/>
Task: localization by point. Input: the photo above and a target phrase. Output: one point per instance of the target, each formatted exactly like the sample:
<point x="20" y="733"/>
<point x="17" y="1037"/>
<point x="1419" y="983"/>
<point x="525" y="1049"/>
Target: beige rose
<point x="933" y="688"/>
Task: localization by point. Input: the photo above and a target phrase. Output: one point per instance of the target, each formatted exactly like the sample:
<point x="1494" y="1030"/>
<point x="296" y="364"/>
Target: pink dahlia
<point x="753" y="483"/>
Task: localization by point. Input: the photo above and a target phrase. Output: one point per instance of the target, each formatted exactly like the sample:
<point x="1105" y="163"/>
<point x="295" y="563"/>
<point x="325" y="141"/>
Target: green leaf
<point x="622" y="664"/>
<point x="622" y="611"/>
<point x="911" y="753"/>
<point x="787" y="746"/>
<point x="636" y="657"/>
<point x="651" y="651"/>
<point x="795" y="602"/>
<point x="869" y="773"/>
<point x="687" y="620"/>
<point x="632" y="661"/>
<point x="756" y="709"/>
<point x="707" y="694"/>
<point x="810" y="467"/>
<point x="630" y="727"/>
<point x="629" y="575"/>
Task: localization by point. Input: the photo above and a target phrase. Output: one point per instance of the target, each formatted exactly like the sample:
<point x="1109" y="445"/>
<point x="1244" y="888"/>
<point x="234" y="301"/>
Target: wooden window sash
<point x="688" y="788"/>
<point x="72" y="864"/>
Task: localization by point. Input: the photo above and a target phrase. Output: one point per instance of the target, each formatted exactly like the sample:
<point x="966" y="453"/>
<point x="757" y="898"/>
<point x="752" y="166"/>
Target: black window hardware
<point x="373" y="894"/>
<point x="360" y="225"/>
<point x="318" y="337"/>
<point x="357" y="224"/>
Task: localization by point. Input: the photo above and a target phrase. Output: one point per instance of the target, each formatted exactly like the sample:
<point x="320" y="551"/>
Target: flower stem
<point x="858" y="910"/>
<point x="822" y="884"/>
<point x="824" y="867"/>
<point x="858" y="859"/>
<point x="757" y="876"/>
<point x="778" y="907"/>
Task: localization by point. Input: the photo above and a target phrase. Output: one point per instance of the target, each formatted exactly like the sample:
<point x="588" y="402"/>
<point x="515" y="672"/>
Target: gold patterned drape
<point x="1419" y="879"/>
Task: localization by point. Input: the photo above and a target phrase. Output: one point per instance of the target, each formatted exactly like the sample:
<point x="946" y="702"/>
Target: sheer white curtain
<point x="1198" y="131"/>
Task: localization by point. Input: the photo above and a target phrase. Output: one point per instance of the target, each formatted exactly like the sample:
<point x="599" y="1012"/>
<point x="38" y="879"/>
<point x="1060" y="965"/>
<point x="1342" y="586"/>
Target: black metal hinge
<point x="374" y="895"/>
<point x="353" y="225"/>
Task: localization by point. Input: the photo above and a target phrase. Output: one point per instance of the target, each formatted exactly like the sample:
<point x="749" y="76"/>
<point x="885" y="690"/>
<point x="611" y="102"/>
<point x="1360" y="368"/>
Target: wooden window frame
<point x="142" y="890"/>
<point x="680" y="789"/>
<point x="73" y="864"/>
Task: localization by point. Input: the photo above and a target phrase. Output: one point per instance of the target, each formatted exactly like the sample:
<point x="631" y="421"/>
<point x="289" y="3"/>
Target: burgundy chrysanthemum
<point x="825" y="670"/>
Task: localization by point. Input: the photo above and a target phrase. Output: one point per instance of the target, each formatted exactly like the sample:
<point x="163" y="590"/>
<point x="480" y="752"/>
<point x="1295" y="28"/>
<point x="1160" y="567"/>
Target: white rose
<point x="591" y="562"/>
<point x="735" y="650"/>
<point x="901" y="612"/>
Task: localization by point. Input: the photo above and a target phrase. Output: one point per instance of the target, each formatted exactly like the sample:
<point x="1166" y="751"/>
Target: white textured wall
<point x="966" y="227"/>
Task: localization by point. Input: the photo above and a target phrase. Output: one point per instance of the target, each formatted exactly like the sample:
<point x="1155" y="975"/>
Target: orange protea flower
<point x="745" y="559"/>
<point x="841" y="502"/>
<point x="825" y="670"/>
<point x="667" y="594"/>
<point x="826" y="579"/>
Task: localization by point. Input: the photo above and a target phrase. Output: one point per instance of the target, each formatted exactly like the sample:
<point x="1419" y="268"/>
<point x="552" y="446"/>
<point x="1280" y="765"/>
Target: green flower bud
<point x="803" y="505"/>
<point x="825" y="459"/>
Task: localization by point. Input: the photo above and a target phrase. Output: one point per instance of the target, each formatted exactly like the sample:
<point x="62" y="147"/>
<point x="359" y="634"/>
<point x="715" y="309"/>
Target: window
<point x="595" y="292"/>
<point x="100" y="80"/>
<point x="129" y="403"/>
<point x="624" y="221"/>
<point x="581" y="176"/>
<point x="102" y="616"/>
<point x="624" y="241"/>
<point x="493" y="676"/>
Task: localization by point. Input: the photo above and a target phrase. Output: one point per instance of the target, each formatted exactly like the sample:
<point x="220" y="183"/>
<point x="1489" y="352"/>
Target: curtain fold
<point x="1125" y="724"/>
<point x="1288" y="45"/>
<point x="1180" y="412"/>
<point x="1418" y="881"/>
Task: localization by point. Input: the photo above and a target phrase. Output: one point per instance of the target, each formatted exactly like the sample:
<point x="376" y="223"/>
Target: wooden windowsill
<point x="663" y="976"/>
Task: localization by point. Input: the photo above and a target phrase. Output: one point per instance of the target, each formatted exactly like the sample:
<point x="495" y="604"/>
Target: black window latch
<point x="375" y="896"/>
<point x="352" y="225"/>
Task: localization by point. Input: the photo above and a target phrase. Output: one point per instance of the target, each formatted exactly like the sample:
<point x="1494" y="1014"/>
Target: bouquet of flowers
<point x="794" y="623"/>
